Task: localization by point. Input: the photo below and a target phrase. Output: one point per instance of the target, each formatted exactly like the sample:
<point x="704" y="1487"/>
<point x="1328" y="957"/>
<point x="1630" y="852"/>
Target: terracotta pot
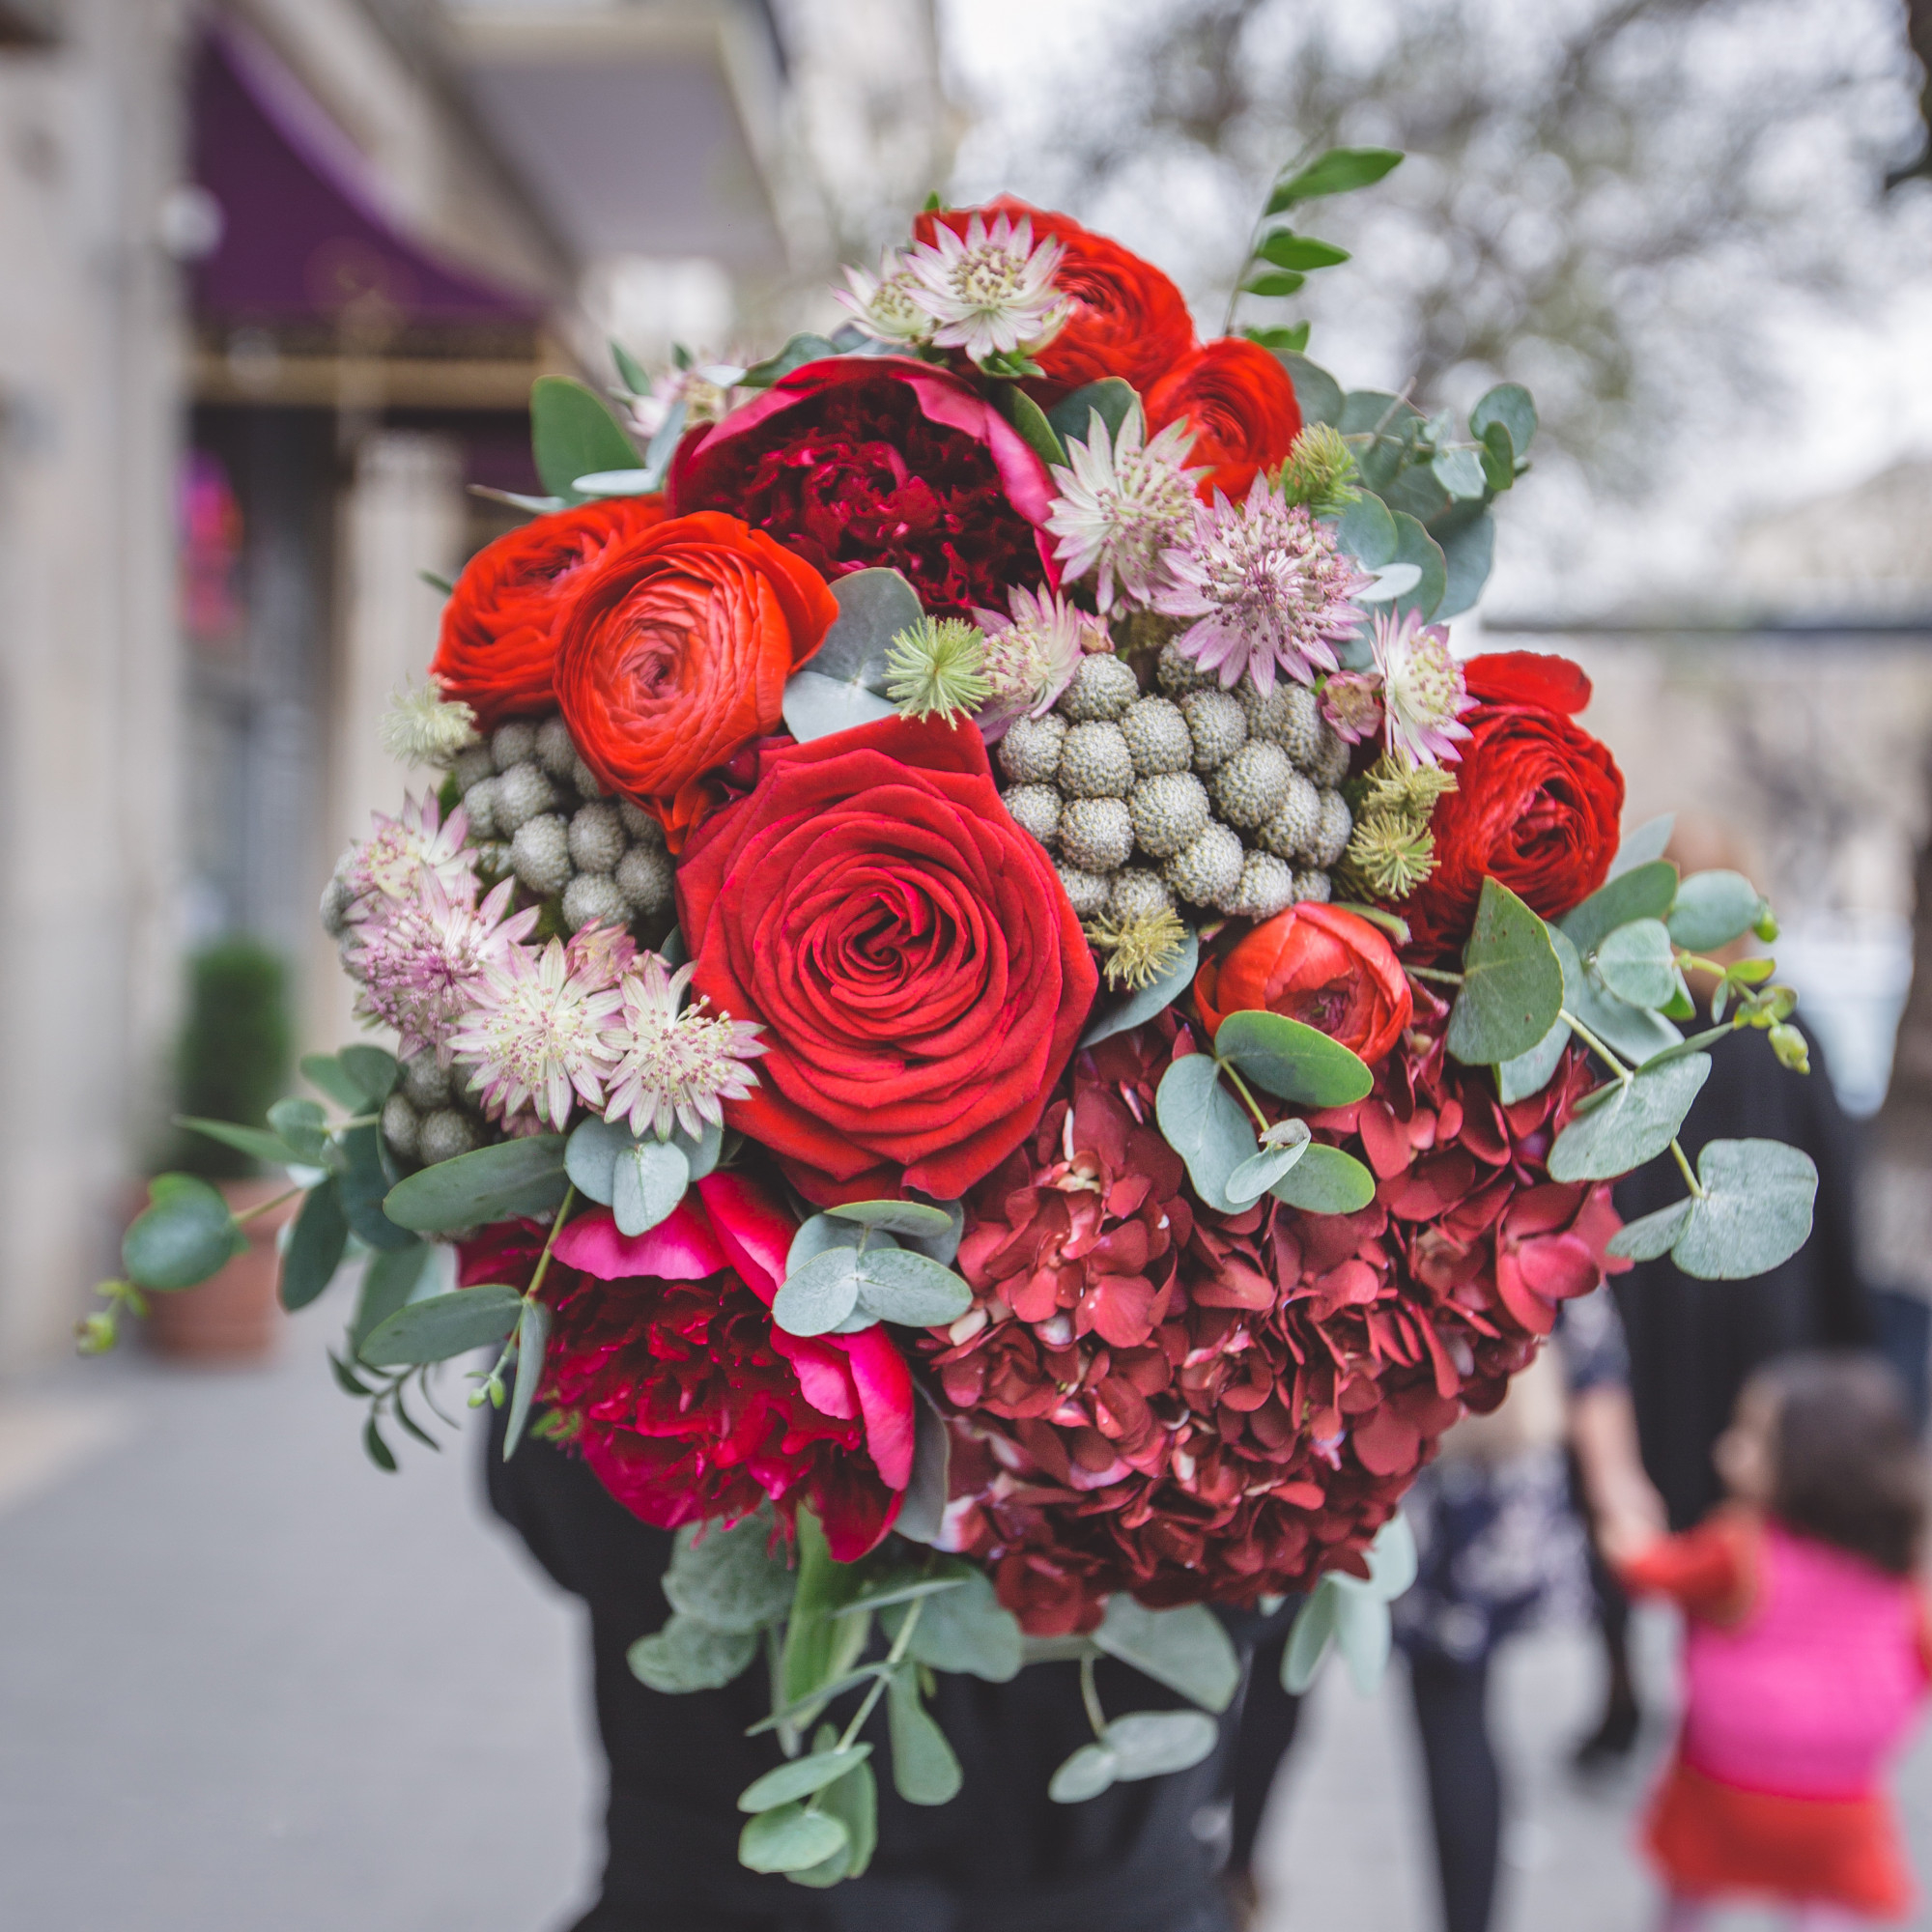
<point x="233" y="1315"/>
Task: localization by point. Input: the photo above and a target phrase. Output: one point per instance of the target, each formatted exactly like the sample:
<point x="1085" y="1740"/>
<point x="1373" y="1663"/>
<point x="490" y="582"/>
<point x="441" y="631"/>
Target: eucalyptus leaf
<point x="690" y="1656"/>
<point x="795" y="355"/>
<point x="1294" y="1062"/>
<point x="1205" y="1124"/>
<point x="1511" y="405"/>
<point x="1651" y="1236"/>
<point x="185" y="1235"/>
<point x="801" y="1777"/>
<point x="922" y="1516"/>
<point x="388" y="1283"/>
<point x="903" y="1285"/>
<point x="1143" y="1002"/>
<point x="1153" y="1744"/>
<point x="1644" y="845"/>
<point x="316" y="1245"/>
<point x="1363" y="1634"/>
<point x="574" y="434"/>
<point x="1255" y="1177"/>
<point x="944" y="1245"/>
<point x="815" y="706"/>
<point x="925" y="1769"/>
<point x="854" y="1800"/>
<point x="1338" y="171"/>
<point x="1186" y="1649"/>
<point x="1092" y="1769"/>
<point x="1632" y="1031"/>
<point x="1366" y="531"/>
<point x="1393" y="1558"/>
<point x="1636" y="1122"/>
<point x="270" y="1149"/>
<point x="730" y="1577"/>
<point x="1460" y="471"/>
<point x="533" y="1343"/>
<point x="647" y="1182"/>
<point x="1414" y="544"/>
<point x="368" y="1179"/>
<point x="790" y="1839"/>
<point x="1111" y="398"/>
<point x="325" y="1072"/>
<point x="1325" y="1181"/>
<point x="493" y="1183"/>
<point x="968" y="1630"/>
<point x="445" y="1325"/>
<point x="1643" y="889"/>
<point x="874" y="606"/>
<point x="816" y="1299"/>
<point x="896" y="1217"/>
<point x="1285" y="249"/>
<point x="590" y="1157"/>
<point x="702" y="1151"/>
<point x="1497" y="458"/>
<point x="819" y="1648"/>
<point x="1468" y="554"/>
<point x="1030" y="420"/>
<point x="374" y="1071"/>
<point x="1512" y="982"/>
<point x="1308" y="1638"/>
<point x="304" y="1127"/>
<point x="817" y="1237"/>
<point x="1638" y="963"/>
<point x="631" y="372"/>
<point x="1755" y="1213"/>
<point x="1316" y="391"/>
<point x="1531" y="1073"/>
<point x="1712" y="909"/>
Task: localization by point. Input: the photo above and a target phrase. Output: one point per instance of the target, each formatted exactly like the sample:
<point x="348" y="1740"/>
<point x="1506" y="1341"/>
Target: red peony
<point x="674" y="654"/>
<point x="1124" y="318"/>
<point x="1536" y="804"/>
<point x="688" y="1401"/>
<point x="863" y="461"/>
<point x="499" y="628"/>
<point x="1239" y="399"/>
<point x="1327" y="968"/>
<point x="909" y="949"/>
<point x="1198" y="1406"/>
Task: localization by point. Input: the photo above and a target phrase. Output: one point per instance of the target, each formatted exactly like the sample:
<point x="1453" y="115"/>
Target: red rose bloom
<point x="1124" y="318"/>
<point x="1536" y="804"/>
<point x="864" y="461"/>
<point x="1326" y="968"/>
<point x="909" y="949"/>
<point x="500" y="627"/>
<point x="676" y="652"/>
<point x="1240" y="401"/>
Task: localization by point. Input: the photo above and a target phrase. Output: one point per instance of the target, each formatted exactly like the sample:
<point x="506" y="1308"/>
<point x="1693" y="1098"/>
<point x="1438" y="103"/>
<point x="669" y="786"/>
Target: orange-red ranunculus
<point x="675" y="655"/>
<point x="499" y="628"/>
<point x="1326" y="968"/>
<point x="1240" y="401"/>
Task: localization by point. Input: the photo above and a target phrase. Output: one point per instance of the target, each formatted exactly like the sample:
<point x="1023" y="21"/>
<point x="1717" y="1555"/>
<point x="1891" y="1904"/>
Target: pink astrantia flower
<point x="1123" y="502"/>
<point x="1032" y="656"/>
<point x="599" y="956"/>
<point x="386" y="863"/>
<point x="671" y="1067"/>
<point x="1268" y="587"/>
<point x="990" y="292"/>
<point x="422" y="962"/>
<point x="1353" y="703"/>
<point x="1423" y="695"/>
<point x="535" y="1035"/>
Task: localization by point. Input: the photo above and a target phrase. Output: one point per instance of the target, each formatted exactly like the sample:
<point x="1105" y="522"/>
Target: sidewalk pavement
<point x="250" y="1684"/>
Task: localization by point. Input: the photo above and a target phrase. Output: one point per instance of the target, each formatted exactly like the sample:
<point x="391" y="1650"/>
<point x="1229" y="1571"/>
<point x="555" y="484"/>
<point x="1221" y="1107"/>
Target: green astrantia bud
<point x="1319" y="471"/>
<point x="1138" y="950"/>
<point x="1390" y="853"/>
<point x="96" y="1334"/>
<point x="558" y="1425"/>
<point x="938" y="665"/>
<point x="1396" y="783"/>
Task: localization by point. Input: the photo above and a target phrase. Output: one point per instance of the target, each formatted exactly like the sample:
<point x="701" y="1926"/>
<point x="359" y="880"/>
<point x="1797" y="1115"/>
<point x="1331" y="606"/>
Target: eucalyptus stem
<point x="1434" y="973"/>
<point x="555" y="1229"/>
<point x="1590" y="1039"/>
<point x="262" y="1207"/>
<point x="1684" y="1168"/>
<point x="1090" y="1695"/>
<point x="894" y="1657"/>
<point x="492" y="1389"/>
<point x="1241" y="1088"/>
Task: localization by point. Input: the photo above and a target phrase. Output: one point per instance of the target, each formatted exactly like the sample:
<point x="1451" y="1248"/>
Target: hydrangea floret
<point x="1124" y="505"/>
<point x="676" y="1065"/>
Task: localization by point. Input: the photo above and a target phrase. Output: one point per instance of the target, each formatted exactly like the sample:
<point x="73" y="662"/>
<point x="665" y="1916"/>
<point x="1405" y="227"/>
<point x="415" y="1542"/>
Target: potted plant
<point x="231" y="1066"/>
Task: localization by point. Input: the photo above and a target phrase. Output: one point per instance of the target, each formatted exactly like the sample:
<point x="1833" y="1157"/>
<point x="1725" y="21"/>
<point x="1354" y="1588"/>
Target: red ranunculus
<point x="499" y="628"/>
<point x="690" y="1402"/>
<point x="863" y="461"/>
<point x="909" y="949"/>
<point x="675" y="651"/>
<point x="1536" y="804"/>
<point x="1240" y="401"/>
<point x="1327" y="968"/>
<point x="1125" y="317"/>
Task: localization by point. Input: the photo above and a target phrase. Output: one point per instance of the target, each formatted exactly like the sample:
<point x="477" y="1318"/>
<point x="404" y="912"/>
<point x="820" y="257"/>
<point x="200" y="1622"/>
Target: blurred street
<point x="252" y="1681"/>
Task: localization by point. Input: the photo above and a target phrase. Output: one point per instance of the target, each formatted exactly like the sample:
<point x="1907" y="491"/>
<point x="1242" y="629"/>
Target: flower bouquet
<point x="984" y="1016"/>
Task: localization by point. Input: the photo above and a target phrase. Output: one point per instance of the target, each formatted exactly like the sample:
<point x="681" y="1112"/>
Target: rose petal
<point x="681" y="1247"/>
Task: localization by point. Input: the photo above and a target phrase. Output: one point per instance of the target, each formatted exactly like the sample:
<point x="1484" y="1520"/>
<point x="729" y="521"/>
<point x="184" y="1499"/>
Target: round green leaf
<point x="800" y="1778"/>
<point x="817" y="706"/>
<point x="590" y="1157"/>
<point x="791" y="1838"/>
<point x="896" y="1217"/>
<point x="1092" y="1769"/>
<point x="874" y="606"/>
<point x="1468" y="553"/>
<point x="1644" y="889"/>
<point x="1112" y="397"/>
<point x="1317" y="391"/>
<point x="445" y="1325"/>
<point x="1143" y="1002"/>
<point x="1294" y="1062"/>
<point x="854" y="1800"/>
<point x="1325" y="1181"/>
<point x="1634" y="1125"/>
<point x="1756" y="1209"/>
<point x="574" y="434"/>
<point x="1646" y="1238"/>
<point x="921" y="1515"/>
<point x="1631" y="1031"/>
<point x="729" y="1575"/>
<point x="1511" y="405"/>
<point x="647" y="1182"/>
<point x="372" y="1070"/>
<point x="1186" y="1649"/>
<point x="1531" y="1072"/>
<point x="1363" y="1634"/>
<point x="820" y="1295"/>
<point x="1254" y="1178"/>
<point x="1205" y="1124"/>
<point x="1638" y="963"/>
<point x="185" y="1235"/>
<point x="1366" y="531"/>
<point x="903" y="1285"/>
<point x="967" y="1630"/>
<point x="303" y="1125"/>
<point x="1712" y="909"/>
<point x="925" y="1769"/>
<point x="493" y="1183"/>
<point x="690" y="1656"/>
<point x="1308" y="1640"/>
<point x="1512" y="982"/>
<point x="701" y="1151"/>
<point x="1152" y="1744"/>
<point x="1414" y="544"/>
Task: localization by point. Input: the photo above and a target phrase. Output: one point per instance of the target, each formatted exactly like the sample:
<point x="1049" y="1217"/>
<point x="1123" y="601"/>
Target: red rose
<point x="1125" y="317"/>
<point x="909" y="949"/>
<point x="1240" y="401"/>
<point x="675" y="651"/>
<point x="862" y="460"/>
<point x="500" y="626"/>
<point x="1536" y="804"/>
<point x="1316" y="964"/>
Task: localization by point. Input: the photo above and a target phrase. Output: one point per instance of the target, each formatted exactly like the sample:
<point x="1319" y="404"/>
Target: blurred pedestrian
<point x="1808" y="1652"/>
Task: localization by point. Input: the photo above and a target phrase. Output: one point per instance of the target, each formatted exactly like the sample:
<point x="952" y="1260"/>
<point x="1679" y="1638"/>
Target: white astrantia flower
<point x="1423" y="693"/>
<point x="1123" y="502"/>
<point x="672" y="1067"/>
<point x="423" y="727"/>
<point x="1032" y="655"/>
<point x="385" y="864"/>
<point x="535" y="1035"/>
<point x="883" y="305"/>
<point x="990" y="292"/>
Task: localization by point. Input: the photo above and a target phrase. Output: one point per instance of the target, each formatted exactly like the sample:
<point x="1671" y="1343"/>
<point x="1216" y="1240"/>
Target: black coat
<point x="1694" y="1343"/>
<point x="1000" y="1857"/>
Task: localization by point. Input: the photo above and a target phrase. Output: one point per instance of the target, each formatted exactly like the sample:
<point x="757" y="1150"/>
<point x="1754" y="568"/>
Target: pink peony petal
<point x="884" y="1398"/>
<point x="823" y="1373"/>
<point x="755" y="1232"/>
<point x="854" y="1510"/>
<point x="681" y="1247"/>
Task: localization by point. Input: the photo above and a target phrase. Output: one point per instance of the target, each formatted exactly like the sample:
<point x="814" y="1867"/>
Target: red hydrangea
<point x="1201" y="1406"/>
